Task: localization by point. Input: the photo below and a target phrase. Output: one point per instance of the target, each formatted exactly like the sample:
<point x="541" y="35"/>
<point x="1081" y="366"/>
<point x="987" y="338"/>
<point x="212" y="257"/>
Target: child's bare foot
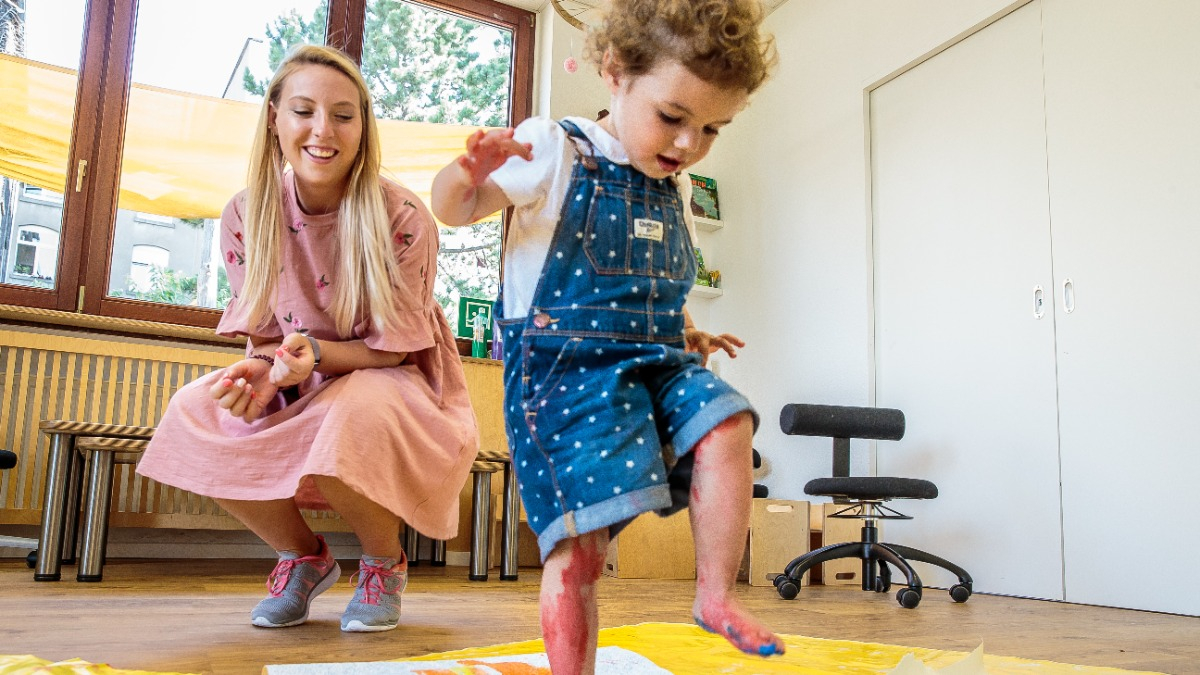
<point x="725" y="617"/>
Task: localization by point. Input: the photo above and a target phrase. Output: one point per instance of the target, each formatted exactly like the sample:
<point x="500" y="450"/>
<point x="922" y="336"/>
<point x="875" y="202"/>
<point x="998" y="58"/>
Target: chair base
<point x="876" y="557"/>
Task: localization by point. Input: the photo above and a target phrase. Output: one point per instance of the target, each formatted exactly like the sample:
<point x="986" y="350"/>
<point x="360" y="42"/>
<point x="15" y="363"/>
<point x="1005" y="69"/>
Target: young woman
<point x="351" y="396"/>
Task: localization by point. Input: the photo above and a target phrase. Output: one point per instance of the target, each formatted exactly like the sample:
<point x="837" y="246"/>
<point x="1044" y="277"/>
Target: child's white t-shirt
<point x="537" y="189"/>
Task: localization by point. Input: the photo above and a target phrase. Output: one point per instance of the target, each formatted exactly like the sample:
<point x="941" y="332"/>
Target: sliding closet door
<point x="961" y="240"/>
<point x="1123" y="122"/>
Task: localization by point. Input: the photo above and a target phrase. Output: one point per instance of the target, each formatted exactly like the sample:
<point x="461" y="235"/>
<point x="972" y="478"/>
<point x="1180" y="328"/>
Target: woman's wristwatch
<point x="316" y="350"/>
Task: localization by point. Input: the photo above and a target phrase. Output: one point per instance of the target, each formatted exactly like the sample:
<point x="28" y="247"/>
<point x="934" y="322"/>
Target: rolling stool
<point x="8" y="460"/>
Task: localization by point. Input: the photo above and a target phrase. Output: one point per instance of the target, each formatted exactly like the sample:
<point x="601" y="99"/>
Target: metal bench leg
<point x="58" y="474"/>
<point x="438" y="556"/>
<point x="75" y="486"/>
<point x="480" y="525"/>
<point x="412" y="545"/>
<point x="512" y="517"/>
<point x="95" y="524"/>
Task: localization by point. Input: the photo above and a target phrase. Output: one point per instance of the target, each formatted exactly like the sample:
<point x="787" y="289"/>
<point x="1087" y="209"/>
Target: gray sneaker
<point x="376" y="602"/>
<point x="293" y="584"/>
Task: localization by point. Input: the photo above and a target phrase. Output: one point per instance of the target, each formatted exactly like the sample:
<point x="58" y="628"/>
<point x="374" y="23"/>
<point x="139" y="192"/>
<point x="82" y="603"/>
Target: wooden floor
<point x="192" y="616"/>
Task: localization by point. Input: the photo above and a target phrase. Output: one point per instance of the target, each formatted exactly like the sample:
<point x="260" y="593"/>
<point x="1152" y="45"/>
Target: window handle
<point x="1068" y="292"/>
<point x="79" y="174"/>
<point x="1039" y="302"/>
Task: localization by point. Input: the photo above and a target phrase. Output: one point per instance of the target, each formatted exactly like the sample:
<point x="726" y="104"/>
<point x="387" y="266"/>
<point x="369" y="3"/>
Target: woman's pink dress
<point x="404" y="437"/>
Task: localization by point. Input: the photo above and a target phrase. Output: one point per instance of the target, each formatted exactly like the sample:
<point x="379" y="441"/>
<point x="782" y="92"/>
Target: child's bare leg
<point x="722" y="479"/>
<point x="570" y="619"/>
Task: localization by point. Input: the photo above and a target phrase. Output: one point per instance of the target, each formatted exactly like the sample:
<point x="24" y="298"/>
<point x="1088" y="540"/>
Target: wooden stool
<point x="487" y="463"/>
<point x="64" y="484"/>
<point x="102" y="453"/>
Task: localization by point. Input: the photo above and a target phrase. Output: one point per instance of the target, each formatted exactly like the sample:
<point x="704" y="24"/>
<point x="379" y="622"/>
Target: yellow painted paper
<point x="686" y="650"/>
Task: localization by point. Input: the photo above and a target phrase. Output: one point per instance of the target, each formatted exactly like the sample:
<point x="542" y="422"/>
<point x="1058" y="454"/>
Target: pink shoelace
<point x="279" y="576"/>
<point x="374" y="581"/>
<point x="283" y="572"/>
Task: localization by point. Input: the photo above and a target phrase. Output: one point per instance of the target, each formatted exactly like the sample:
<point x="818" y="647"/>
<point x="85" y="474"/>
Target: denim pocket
<point x="636" y="231"/>
<point x="544" y="363"/>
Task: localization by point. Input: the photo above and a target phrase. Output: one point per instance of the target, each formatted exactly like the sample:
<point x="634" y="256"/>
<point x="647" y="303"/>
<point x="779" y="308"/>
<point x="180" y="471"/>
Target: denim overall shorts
<point x="600" y="398"/>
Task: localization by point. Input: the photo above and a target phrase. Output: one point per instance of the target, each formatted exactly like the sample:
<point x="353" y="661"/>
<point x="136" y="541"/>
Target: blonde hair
<point x="367" y="276"/>
<point x="717" y="40"/>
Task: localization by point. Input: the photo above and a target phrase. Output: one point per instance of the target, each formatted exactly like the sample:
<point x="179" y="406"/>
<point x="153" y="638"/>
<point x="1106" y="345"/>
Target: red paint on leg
<point x="722" y="475"/>
<point x="569" y="614"/>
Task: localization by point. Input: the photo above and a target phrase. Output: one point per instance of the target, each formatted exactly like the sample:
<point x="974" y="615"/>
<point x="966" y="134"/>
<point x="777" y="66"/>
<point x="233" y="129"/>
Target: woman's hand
<point x="707" y="343"/>
<point x="294" y="361"/>
<point x="488" y="151"/>
<point x="245" y="389"/>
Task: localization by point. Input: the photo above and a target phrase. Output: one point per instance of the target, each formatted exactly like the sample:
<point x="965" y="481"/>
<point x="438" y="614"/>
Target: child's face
<point x="320" y="127"/>
<point x="668" y="118"/>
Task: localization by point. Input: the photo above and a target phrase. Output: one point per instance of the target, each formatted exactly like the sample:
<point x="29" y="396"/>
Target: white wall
<point x="561" y="93"/>
<point x="792" y="176"/>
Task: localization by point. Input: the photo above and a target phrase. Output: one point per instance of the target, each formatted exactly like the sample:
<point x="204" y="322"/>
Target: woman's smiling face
<point x="318" y="120"/>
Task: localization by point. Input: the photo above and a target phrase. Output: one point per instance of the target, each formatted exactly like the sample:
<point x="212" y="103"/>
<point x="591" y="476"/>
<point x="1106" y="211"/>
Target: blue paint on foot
<point x="768" y="649"/>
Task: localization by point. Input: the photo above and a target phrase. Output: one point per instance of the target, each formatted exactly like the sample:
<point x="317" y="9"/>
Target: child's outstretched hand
<point x="707" y="343"/>
<point x="294" y="361"/>
<point x="488" y="151"/>
<point x="245" y="389"/>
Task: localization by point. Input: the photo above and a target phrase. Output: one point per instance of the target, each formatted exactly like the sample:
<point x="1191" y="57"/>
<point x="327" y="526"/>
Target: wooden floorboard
<point x="192" y="616"/>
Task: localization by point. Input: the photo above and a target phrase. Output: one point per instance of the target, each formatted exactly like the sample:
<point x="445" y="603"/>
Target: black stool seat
<point x="874" y="488"/>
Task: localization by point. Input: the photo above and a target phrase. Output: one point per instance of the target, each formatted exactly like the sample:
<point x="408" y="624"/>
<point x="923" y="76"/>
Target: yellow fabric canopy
<point x="185" y="154"/>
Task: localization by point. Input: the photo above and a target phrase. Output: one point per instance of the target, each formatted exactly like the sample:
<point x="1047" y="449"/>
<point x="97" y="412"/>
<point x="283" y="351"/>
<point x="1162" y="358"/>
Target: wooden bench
<point x="64" y="489"/>
<point x="75" y="446"/>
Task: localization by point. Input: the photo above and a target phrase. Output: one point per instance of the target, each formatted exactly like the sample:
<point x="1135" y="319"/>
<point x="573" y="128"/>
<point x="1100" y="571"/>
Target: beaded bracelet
<point x="264" y="357"/>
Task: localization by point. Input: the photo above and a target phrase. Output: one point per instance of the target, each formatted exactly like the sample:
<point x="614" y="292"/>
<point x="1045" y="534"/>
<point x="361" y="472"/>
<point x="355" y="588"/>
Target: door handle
<point x="1068" y="295"/>
<point x="1039" y="302"/>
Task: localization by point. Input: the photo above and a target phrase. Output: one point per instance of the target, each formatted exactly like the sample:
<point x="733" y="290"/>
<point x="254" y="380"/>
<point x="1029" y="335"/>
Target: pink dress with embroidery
<point x="404" y="437"/>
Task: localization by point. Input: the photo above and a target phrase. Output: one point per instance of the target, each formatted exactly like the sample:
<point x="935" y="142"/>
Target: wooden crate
<point x="778" y="534"/>
<point x="652" y="547"/>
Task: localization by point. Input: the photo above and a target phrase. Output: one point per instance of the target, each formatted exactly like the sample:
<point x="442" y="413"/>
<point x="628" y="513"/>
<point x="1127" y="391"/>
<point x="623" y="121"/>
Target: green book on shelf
<point x="704" y="197"/>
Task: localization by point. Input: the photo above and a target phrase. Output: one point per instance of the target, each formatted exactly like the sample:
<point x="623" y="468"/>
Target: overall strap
<point x="578" y="139"/>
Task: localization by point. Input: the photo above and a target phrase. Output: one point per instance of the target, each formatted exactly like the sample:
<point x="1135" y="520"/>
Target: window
<point x="126" y="225"/>
<point x="146" y="262"/>
<point x="37" y="194"/>
<point x="36" y="252"/>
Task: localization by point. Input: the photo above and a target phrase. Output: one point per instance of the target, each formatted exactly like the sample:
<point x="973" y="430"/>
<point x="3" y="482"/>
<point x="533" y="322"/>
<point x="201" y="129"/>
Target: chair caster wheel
<point x="882" y="584"/>
<point x="908" y="598"/>
<point x="31" y="560"/>
<point x="787" y="588"/>
<point x="960" y="592"/>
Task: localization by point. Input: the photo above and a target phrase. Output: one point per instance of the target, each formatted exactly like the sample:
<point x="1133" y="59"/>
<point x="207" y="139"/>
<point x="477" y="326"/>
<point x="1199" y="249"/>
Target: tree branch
<point x="467" y="249"/>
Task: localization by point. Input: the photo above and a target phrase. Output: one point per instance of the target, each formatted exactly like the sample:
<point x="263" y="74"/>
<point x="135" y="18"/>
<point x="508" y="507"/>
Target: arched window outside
<point x="36" y="253"/>
<point x="142" y="264"/>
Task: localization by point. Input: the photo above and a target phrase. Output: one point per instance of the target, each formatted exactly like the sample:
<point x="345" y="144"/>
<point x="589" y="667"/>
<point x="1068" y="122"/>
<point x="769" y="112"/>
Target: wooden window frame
<point x="97" y="138"/>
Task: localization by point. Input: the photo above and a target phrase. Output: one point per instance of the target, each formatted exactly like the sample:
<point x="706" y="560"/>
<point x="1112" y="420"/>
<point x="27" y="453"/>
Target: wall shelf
<point x="706" y="292"/>
<point x="707" y="224"/>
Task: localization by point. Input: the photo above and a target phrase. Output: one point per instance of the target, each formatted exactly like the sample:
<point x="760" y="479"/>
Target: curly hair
<point x="717" y="40"/>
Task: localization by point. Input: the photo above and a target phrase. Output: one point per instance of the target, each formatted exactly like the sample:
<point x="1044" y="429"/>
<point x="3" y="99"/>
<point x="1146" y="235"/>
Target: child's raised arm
<point x="462" y="192"/>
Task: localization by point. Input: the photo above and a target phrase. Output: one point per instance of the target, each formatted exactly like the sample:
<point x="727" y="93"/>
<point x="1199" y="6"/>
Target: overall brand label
<point x="644" y="228"/>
